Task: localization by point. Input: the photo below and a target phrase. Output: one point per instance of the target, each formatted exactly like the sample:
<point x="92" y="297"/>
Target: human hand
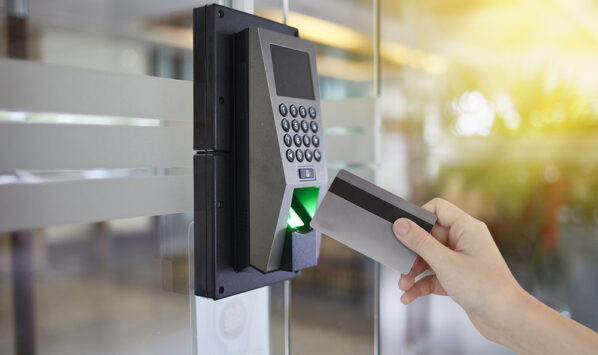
<point x="467" y="264"/>
<point x="470" y="269"/>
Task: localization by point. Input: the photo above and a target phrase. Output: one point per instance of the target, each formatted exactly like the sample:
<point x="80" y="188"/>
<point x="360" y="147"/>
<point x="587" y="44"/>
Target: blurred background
<point x="491" y="104"/>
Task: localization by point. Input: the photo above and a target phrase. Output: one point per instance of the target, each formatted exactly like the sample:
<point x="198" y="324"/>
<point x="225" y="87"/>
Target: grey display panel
<point x="292" y="73"/>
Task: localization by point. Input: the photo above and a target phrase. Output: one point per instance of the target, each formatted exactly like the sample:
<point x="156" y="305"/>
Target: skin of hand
<point x="469" y="268"/>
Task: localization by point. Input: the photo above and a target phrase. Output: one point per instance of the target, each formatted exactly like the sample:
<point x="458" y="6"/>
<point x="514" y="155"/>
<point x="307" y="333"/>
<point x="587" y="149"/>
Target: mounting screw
<point x="221" y="100"/>
<point x="221" y="13"/>
<point x="221" y="290"/>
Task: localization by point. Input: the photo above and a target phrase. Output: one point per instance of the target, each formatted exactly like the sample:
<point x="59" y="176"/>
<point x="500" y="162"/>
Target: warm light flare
<point x="345" y="38"/>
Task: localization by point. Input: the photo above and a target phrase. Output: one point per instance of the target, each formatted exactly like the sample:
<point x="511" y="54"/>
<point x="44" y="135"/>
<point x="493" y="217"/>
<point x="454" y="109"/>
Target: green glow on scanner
<point x="303" y="207"/>
<point x="294" y="220"/>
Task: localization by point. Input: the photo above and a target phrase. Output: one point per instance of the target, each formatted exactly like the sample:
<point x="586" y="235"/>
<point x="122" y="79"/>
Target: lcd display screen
<point x="292" y="73"/>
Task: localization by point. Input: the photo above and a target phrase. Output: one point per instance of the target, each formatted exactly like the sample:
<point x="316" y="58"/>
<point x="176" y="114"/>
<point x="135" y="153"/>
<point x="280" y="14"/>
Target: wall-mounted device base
<point x="215" y="274"/>
<point x="218" y="272"/>
<point x="299" y="250"/>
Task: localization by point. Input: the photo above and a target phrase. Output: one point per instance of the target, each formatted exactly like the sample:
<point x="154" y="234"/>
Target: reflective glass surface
<point x="333" y="304"/>
<point x="122" y="286"/>
<point x="491" y="105"/>
<point x="342" y="31"/>
<point x="119" y="286"/>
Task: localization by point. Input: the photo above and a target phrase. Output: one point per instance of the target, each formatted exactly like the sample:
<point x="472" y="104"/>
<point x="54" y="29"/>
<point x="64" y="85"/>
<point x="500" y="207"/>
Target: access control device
<point x="360" y="215"/>
<point x="259" y="163"/>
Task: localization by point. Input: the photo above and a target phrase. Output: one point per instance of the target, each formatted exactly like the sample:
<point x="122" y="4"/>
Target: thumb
<point x="420" y="241"/>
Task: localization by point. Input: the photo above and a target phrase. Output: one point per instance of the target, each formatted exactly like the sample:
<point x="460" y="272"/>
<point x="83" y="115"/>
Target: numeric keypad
<point x="304" y="144"/>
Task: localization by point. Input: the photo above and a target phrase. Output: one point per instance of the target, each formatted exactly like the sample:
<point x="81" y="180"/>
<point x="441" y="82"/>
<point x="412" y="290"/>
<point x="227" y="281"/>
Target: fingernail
<point x="401" y="227"/>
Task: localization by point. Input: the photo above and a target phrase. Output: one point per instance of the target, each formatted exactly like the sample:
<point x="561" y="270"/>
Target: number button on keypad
<point x="288" y="140"/>
<point x="285" y="124"/>
<point x="299" y="155"/>
<point x="290" y="155"/>
<point x="317" y="155"/>
<point x="297" y="140"/>
<point x="304" y="126"/>
<point x="302" y="111"/>
<point x="308" y="155"/>
<point x="295" y="125"/>
<point x="282" y="108"/>
<point x="312" y="112"/>
<point x="293" y="110"/>
<point x="314" y="126"/>
<point x="315" y="140"/>
<point x="306" y="140"/>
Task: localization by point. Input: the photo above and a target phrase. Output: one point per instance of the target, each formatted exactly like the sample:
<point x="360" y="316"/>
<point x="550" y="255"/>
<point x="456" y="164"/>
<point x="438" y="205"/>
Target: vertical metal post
<point x="192" y="306"/>
<point x="16" y="24"/>
<point x="377" y="86"/>
<point x="285" y="11"/>
<point x="378" y="151"/>
<point x="21" y="246"/>
<point x="377" y="308"/>
<point x="21" y="243"/>
<point x="376" y="19"/>
<point x="287" y="317"/>
<point x="287" y="283"/>
<point x="243" y="5"/>
<point x="227" y="3"/>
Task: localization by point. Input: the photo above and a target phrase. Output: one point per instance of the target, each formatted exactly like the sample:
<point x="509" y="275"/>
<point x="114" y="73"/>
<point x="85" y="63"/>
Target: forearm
<point x="534" y="328"/>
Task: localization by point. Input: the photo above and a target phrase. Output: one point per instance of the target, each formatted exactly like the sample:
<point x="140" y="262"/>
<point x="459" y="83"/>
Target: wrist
<point x="515" y="309"/>
<point x="526" y="324"/>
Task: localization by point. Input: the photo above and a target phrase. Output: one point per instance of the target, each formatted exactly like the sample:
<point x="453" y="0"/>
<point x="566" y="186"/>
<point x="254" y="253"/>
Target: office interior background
<point x="491" y="104"/>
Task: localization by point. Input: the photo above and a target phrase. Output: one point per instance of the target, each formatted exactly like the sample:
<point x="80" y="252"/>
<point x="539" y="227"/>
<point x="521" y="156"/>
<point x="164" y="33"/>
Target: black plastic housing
<point x="299" y="250"/>
<point x="220" y="166"/>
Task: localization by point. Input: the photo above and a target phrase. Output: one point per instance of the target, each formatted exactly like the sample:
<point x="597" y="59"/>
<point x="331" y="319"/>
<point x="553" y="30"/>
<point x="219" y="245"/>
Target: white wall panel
<point x="26" y="206"/>
<point x="41" y="146"/>
<point x="36" y="87"/>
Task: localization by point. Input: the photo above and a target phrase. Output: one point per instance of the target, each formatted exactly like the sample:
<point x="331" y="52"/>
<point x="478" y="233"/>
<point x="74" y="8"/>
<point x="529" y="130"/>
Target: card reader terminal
<point x="259" y="164"/>
<point x="282" y="107"/>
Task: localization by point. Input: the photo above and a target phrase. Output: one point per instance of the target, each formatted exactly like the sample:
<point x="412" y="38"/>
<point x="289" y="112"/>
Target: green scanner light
<point x="294" y="220"/>
<point x="303" y="207"/>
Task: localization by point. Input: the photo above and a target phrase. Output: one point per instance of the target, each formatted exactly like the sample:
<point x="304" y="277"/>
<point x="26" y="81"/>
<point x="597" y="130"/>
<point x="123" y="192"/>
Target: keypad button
<point x="312" y="112"/>
<point x="315" y="140"/>
<point x="302" y="111"/>
<point x="293" y="110"/>
<point x="282" y="108"/>
<point x="288" y="140"/>
<point x="306" y="140"/>
<point x="297" y="139"/>
<point x="308" y="155"/>
<point x="317" y="155"/>
<point x="307" y="173"/>
<point x="304" y="126"/>
<point x="290" y="155"/>
<point x="285" y="124"/>
<point x="299" y="155"/>
<point x="314" y="126"/>
<point x="295" y="125"/>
